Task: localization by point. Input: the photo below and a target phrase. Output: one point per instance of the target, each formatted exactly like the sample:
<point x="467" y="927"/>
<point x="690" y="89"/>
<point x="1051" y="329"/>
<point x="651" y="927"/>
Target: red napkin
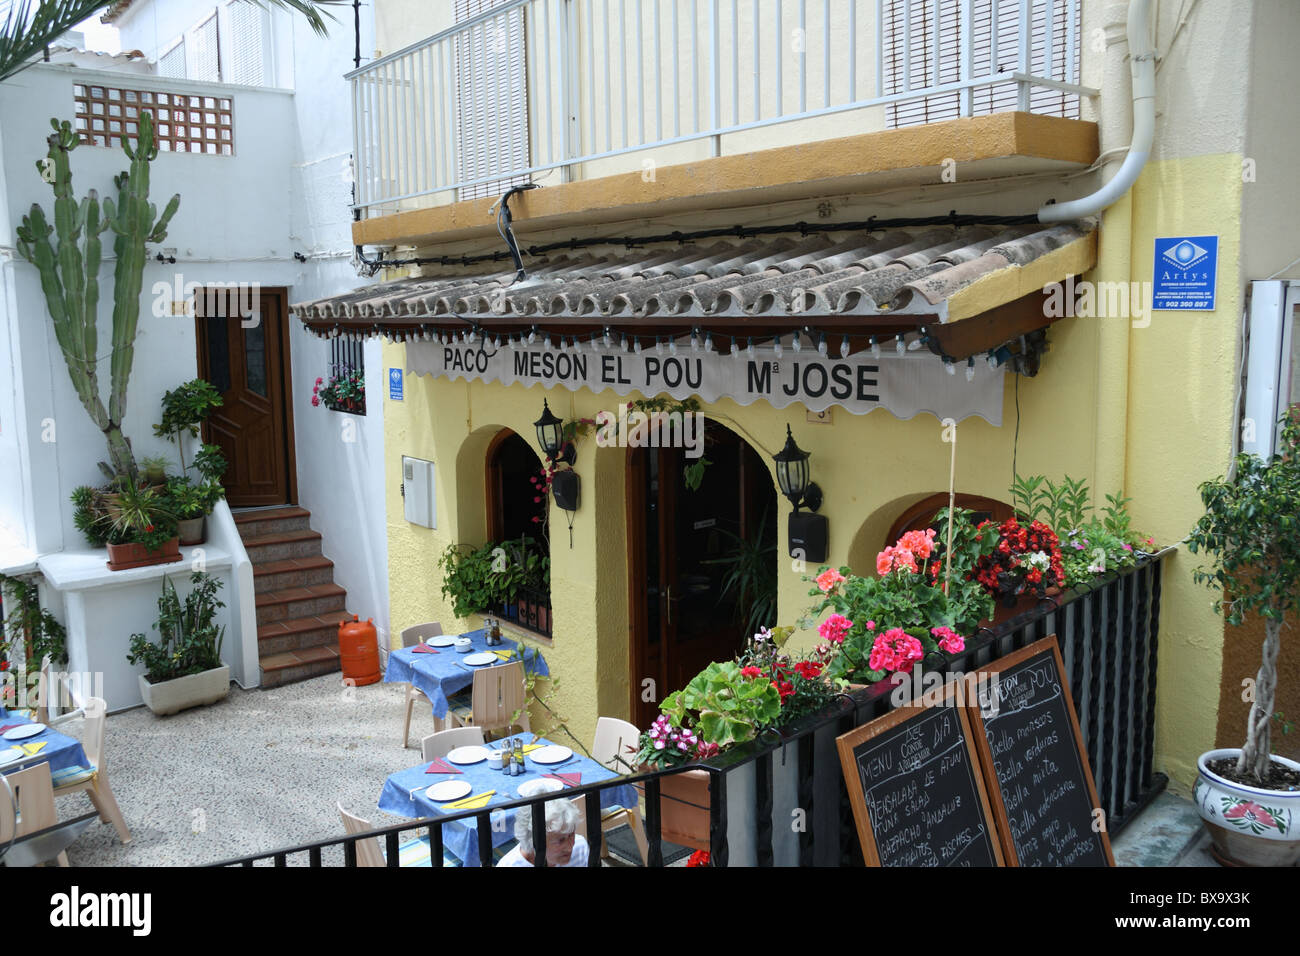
<point x="568" y="779"/>
<point x="9" y="727"/>
<point x="439" y="767"/>
<point x="424" y="649"/>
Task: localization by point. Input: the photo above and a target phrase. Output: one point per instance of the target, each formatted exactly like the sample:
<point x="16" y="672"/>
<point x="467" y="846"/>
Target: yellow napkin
<point x="504" y="655"/>
<point x="473" y="803"/>
<point x="529" y="748"/>
<point x="33" y="749"/>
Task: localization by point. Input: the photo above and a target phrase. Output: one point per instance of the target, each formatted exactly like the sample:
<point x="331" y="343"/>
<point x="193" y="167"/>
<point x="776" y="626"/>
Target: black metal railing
<point x="781" y="799"/>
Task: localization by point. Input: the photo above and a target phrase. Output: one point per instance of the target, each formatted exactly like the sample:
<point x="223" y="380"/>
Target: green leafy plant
<point x="39" y="630"/>
<point x="154" y="468"/>
<point x="799" y="679"/>
<point x="476" y="579"/>
<point x="724" y="706"/>
<point x="1250" y="532"/>
<point x="210" y="463"/>
<point x="188" y="499"/>
<point x="1061" y="507"/>
<point x="189" y="639"/>
<point x="750" y="574"/>
<point x="345" y="390"/>
<point x="89" y="515"/>
<point x="184" y="409"/>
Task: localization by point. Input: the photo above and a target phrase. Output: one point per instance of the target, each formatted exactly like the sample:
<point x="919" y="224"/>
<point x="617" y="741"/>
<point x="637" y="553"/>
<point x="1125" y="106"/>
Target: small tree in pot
<point x="1251" y="533"/>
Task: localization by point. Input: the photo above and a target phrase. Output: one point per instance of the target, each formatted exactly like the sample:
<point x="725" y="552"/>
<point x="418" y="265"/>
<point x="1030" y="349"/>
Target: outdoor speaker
<point x="808" y="533"/>
<point x="564" y="486"/>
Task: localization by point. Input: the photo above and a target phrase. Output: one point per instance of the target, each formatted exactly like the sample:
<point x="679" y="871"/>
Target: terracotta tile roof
<point x="892" y="273"/>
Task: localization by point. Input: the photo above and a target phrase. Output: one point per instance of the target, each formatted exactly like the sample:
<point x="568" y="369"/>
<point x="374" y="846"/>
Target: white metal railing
<point x="537" y="86"/>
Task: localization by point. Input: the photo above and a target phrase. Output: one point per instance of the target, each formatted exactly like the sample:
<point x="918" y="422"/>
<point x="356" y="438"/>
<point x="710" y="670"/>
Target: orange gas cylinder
<point x="359" y="651"/>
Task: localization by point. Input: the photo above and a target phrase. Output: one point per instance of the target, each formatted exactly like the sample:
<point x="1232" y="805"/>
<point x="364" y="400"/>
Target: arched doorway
<point x="699" y="560"/>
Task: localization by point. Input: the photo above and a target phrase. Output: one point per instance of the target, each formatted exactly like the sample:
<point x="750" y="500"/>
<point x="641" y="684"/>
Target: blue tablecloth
<point x="60" y="751"/>
<point x="441" y="675"/>
<point x="461" y="836"/>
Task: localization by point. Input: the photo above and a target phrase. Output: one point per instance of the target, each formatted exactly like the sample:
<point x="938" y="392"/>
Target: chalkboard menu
<point x="917" y="793"/>
<point x="1035" y="767"/>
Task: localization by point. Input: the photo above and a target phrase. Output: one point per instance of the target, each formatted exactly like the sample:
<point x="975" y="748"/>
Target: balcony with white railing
<point x="555" y="91"/>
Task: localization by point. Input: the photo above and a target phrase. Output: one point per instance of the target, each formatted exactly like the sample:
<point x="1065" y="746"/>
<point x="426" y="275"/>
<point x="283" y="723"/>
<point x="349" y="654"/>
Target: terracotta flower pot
<point x="124" y="556"/>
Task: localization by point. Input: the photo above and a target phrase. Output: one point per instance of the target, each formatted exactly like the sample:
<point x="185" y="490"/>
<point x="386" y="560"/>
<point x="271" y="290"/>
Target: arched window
<point x="921" y="514"/>
<point x="512" y="505"/>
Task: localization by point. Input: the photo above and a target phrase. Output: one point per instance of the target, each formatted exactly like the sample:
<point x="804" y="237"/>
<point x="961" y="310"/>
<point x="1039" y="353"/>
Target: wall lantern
<point x="550" y="437"/>
<point x="808" y="532"/>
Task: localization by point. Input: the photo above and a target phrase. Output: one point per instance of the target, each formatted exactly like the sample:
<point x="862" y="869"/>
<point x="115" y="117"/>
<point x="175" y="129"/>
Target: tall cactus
<point x="69" y="271"/>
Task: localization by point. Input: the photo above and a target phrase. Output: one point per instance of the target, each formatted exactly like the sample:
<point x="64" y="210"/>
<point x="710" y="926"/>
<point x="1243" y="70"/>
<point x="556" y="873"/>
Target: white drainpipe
<point x="1142" y="64"/>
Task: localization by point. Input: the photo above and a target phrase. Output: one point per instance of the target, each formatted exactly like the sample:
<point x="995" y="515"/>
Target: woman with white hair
<point x="564" y="845"/>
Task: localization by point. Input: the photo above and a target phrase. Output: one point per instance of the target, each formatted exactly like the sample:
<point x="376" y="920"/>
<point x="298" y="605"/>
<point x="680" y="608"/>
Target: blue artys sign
<point x="1185" y="272"/>
<point x="395" y="384"/>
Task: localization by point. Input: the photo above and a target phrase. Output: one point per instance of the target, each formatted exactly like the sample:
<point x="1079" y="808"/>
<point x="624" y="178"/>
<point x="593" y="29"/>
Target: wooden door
<point x="679" y="540"/>
<point x="246" y="357"/>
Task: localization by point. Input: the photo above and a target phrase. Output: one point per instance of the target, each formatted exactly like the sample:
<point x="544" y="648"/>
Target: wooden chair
<point x="93" y="779"/>
<point x="35" y="798"/>
<point x="370" y="853"/>
<point x="498" y="692"/>
<point x="445" y="741"/>
<point x="410" y="637"/>
<point x="613" y="738"/>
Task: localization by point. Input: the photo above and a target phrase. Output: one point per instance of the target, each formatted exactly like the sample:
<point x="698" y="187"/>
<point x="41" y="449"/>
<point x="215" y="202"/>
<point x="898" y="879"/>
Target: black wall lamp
<point x="550" y="436"/>
<point x="808" y="532"/>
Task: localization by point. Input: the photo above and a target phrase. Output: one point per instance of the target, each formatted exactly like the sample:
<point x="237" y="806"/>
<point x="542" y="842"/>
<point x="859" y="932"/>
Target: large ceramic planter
<point x="1250" y="826"/>
<point x="191" y="530"/>
<point x="195" y="690"/>
<point x="124" y="556"/>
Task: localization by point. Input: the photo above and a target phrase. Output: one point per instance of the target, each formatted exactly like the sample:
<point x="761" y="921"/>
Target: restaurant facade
<point x="877" y="276"/>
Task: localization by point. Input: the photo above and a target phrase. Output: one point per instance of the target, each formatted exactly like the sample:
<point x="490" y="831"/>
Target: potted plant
<point x="135" y="523"/>
<point x="184" y="409"/>
<point x="720" y="707"/>
<point x="153" y="470"/>
<point x="344" y="392"/>
<point x="912" y="610"/>
<point x="1249" y="798"/>
<point x="183" y="668"/>
<point x="468" y="579"/>
<point x="192" y="502"/>
<point x="1024" y="559"/>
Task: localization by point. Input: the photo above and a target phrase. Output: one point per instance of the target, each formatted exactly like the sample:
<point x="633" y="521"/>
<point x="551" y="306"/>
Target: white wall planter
<point x="194" y="690"/>
<point x="1249" y="825"/>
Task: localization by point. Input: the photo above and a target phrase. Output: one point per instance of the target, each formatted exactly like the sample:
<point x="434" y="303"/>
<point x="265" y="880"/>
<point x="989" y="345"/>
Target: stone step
<point x="292" y="573"/>
<point x="291" y="666"/>
<point x="256" y="524"/>
<point x="319" y="630"/>
<point x="292" y="603"/>
<point x="264" y="549"/>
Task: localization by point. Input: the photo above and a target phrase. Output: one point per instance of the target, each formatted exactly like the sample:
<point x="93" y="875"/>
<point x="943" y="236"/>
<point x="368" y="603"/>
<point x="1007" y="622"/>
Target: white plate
<point x="482" y="657"/>
<point x="10" y="754"/>
<point x="442" y="640"/>
<point x="552" y="754"/>
<point x="449" y="790"/>
<point x="23" y="732"/>
<point x="535" y="788"/>
<point x="468" y="755"/>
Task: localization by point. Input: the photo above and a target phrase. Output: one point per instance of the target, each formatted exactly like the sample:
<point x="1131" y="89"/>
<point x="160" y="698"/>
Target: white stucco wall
<point x="241" y="218"/>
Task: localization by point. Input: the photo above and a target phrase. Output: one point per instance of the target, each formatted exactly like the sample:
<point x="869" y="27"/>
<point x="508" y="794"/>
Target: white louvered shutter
<point x="172" y="63"/>
<point x="247" y="46"/>
<point x="927" y="70"/>
<point x="202" y="61"/>
<point x="492" y="92"/>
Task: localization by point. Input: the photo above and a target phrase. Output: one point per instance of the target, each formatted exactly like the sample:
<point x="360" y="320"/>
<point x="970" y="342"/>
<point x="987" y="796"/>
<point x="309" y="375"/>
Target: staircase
<point x="298" y="604"/>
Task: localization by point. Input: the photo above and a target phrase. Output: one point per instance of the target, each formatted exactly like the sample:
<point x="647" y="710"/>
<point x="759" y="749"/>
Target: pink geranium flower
<point x="949" y="640"/>
<point x="828" y="580"/>
<point x="920" y="543"/>
<point x="885" y="561"/>
<point x="834" y="628"/>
